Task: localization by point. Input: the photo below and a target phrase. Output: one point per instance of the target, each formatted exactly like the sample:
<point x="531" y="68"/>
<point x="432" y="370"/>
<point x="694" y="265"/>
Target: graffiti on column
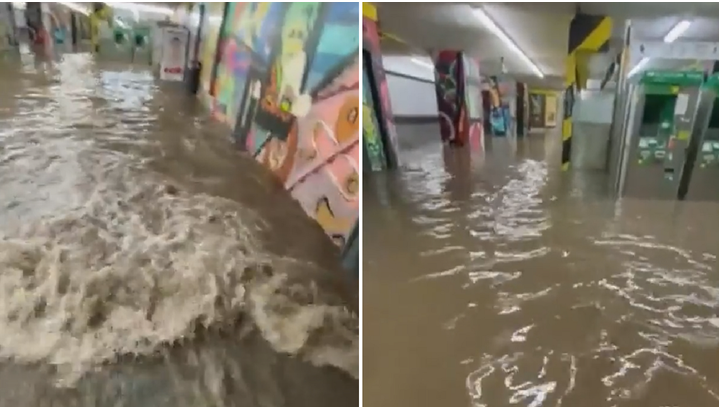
<point x="498" y="114"/>
<point x="288" y="84"/>
<point x="371" y="132"/>
<point x="446" y="87"/>
<point x="473" y="101"/>
<point x="210" y="34"/>
<point x="371" y="43"/>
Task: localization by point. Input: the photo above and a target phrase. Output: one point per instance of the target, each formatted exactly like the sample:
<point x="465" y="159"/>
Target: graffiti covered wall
<point x="373" y="147"/>
<point x="498" y="116"/>
<point x="473" y="101"/>
<point x="287" y="82"/>
<point x="449" y="95"/>
<point x="208" y="46"/>
<point x="458" y="88"/>
<point x="381" y="141"/>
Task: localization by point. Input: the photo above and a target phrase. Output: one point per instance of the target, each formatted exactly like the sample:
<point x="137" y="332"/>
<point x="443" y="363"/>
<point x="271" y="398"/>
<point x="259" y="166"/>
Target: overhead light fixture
<point x="423" y="63"/>
<point x="488" y="22"/>
<point x="679" y="29"/>
<point x="142" y="8"/>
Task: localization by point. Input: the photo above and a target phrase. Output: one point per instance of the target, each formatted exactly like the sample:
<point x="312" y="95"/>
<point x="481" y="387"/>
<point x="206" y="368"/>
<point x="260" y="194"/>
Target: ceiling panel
<point x="539" y="29"/>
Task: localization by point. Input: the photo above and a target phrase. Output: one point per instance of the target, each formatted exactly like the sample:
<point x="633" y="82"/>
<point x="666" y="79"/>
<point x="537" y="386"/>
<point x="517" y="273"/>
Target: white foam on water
<point x="139" y="266"/>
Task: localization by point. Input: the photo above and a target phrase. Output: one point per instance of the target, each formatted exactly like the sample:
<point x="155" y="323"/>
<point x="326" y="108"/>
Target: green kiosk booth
<point x="663" y="138"/>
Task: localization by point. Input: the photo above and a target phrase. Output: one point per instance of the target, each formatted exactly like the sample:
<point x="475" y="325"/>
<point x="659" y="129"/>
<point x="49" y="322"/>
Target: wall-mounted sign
<point x="550" y="111"/>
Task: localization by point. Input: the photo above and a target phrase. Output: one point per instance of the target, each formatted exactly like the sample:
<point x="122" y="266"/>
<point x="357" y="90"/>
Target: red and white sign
<point x="174" y="51"/>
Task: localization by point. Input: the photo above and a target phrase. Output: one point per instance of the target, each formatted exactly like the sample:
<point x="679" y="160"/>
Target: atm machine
<point x="662" y="113"/>
<point x="700" y="177"/>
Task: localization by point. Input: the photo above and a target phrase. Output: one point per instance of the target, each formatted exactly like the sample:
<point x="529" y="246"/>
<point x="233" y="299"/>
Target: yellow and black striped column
<point x="588" y="34"/>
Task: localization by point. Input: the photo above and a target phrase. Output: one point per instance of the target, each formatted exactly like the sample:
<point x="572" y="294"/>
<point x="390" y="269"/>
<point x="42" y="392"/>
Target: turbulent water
<point x="499" y="280"/>
<point x="144" y="262"/>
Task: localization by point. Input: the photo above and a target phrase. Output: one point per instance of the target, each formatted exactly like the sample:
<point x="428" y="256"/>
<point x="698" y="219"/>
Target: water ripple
<point x="531" y="292"/>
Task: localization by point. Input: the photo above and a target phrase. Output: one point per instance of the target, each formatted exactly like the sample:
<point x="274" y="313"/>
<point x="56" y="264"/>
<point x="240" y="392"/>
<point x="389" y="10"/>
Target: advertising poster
<point x="550" y="111"/>
<point x="172" y="65"/>
<point x="537" y="111"/>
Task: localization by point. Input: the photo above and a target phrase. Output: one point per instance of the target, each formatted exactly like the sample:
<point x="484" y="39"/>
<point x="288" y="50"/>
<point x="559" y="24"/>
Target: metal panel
<point x="654" y="172"/>
<point x="703" y="177"/>
<point x="590" y="144"/>
<point x="592" y="119"/>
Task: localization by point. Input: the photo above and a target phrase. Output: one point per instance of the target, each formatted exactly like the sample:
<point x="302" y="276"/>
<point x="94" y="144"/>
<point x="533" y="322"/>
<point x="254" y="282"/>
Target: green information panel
<point x="681" y="78"/>
<point x="712" y="83"/>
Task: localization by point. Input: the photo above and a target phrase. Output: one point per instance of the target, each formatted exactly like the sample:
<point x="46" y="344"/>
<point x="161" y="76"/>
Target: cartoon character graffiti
<point x="293" y="60"/>
<point x="296" y="88"/>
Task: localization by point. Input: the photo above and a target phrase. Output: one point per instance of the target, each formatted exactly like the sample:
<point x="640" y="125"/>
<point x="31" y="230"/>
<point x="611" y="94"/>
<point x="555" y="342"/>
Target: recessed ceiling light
<point x="679" y="29"/>
<point x="488" y="22"/>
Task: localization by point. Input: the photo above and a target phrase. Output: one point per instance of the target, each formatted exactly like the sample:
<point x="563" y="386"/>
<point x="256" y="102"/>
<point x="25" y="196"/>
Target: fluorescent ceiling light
<point x="423" y="63"/>
<point x="142" y="7"/>
<point x="481" y="15"/>
<point x="679" y="29"/>
<point x="672" y="35"/>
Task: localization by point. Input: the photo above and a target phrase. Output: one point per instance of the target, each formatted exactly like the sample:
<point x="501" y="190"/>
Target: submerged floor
<point x="500" y="280"/>
<point x="143" y="261"/>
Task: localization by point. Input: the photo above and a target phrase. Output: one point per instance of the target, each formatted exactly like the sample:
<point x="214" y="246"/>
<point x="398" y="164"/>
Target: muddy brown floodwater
<point x="502" y="281"/>
<point x="144" y="261"/>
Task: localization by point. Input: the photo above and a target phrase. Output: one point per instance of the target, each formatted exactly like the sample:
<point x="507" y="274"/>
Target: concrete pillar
<point x="588" y="34"/>
<point x="460" y="109"/>
<point x="380" y="145"/>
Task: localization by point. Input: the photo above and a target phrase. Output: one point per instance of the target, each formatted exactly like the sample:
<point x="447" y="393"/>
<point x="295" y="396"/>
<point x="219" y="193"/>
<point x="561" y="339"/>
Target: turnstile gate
<point x="662" y="114"/>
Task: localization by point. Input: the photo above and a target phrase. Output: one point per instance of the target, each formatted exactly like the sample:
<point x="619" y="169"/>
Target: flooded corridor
<point x="144" y="261"/>
<point x="502" y="281"/>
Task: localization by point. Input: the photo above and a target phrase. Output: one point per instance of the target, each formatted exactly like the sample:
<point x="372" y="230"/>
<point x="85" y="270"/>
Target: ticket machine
<point x="700" y="177"/>
<point x="662" y="114"/>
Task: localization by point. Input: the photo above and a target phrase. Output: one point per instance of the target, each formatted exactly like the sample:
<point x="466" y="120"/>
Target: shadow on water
<point x="145" y="262"/>
<point x="499" y="280"/>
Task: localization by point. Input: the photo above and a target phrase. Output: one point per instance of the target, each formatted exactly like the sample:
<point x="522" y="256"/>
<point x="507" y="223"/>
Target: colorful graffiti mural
<point x="457" y="86"/>
<point x="498" y="110"/>
<point x="288" y="84"/>
<point x="376" y="80"/>
<point x="372" y="139"/>
<point x="209" y="44"/>
<point x="473" y="100"/>
<point x="447" y="83"/>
